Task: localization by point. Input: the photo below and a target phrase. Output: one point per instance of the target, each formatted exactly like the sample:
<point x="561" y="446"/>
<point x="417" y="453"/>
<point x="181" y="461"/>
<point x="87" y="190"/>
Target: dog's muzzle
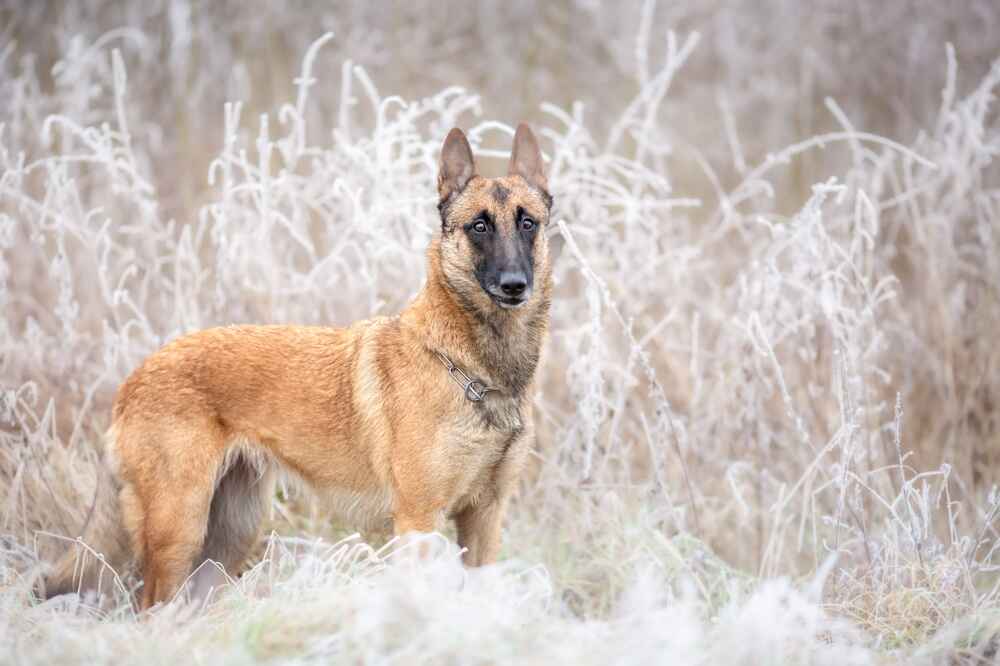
<point x="511" y="291"/>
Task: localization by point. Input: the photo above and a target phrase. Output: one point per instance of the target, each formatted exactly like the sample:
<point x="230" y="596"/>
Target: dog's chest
<point x="499" y="414"/>
<point x="476" y="443"/>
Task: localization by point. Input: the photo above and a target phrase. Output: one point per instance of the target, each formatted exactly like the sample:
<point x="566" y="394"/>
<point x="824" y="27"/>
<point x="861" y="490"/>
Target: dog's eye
<point x="527" y="223"/>
<point x="479" y="227"/>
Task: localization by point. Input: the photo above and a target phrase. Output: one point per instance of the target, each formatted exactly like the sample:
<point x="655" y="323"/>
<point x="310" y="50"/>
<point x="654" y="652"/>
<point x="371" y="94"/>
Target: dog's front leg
<point x="414" y="519"/>
<point x="479" y="525"/>
<point x="419" y="501"/>
<point x="479" y="532"/>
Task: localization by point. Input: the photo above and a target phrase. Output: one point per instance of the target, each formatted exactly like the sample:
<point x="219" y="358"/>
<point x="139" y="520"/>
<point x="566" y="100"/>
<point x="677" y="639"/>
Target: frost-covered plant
<point x="770" y="387"/>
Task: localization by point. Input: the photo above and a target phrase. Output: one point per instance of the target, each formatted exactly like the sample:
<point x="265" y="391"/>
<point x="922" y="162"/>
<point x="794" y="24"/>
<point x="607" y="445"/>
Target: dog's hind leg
<point x="238" y="506"/>
<point x="171" y="472"/>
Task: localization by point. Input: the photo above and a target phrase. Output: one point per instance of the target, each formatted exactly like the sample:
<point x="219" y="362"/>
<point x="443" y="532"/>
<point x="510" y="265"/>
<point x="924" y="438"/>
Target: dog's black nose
<point x="513" y="284"/>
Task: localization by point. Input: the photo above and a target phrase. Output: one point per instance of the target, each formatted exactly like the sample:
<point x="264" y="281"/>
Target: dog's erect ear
<point x="526" y="159"/>
<point x="457" y="166"/>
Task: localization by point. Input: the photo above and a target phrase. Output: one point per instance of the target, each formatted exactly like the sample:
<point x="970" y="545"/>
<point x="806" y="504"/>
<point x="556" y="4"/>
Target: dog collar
<point x="473" y="389"/>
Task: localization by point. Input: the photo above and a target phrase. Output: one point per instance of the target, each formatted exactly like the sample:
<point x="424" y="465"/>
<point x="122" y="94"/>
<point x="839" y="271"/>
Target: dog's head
<point x="494" y="249"/>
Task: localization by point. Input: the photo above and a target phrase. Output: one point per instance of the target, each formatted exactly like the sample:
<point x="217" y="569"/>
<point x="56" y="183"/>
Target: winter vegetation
<point x="768" y="426"/>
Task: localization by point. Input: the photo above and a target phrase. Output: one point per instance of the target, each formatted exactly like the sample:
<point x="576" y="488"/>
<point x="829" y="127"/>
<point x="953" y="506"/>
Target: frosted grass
<point x="766" y="411"/>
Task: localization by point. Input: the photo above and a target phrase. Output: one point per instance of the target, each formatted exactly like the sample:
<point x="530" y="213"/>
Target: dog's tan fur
<point x="367" y="415"/>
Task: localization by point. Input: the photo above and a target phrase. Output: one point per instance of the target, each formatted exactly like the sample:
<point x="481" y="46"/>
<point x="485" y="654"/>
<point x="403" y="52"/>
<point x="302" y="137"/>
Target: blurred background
<point x="766" y="65"/>
<point x="773" y="332"/>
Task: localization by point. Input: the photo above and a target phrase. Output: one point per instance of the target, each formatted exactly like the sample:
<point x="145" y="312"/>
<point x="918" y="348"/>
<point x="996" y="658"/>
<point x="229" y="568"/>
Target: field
<point x="768" y="426"/>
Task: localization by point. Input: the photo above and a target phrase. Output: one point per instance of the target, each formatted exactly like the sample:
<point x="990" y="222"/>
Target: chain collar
<point x="473" y="389"/>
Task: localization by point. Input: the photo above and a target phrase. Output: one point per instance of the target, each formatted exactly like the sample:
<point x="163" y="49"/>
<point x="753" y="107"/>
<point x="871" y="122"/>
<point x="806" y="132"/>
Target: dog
<point x="414" y="418"/>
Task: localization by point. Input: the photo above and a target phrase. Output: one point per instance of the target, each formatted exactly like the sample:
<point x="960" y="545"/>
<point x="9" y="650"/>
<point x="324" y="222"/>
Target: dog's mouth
<point x="509" y="302"/>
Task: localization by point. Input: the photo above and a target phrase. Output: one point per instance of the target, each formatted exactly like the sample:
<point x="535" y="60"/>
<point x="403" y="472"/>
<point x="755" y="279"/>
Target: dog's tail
<point x="62" y="512"/>
<point x="97" y="552"/>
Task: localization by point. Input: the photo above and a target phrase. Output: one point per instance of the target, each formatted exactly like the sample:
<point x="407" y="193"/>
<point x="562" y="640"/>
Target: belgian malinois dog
<point x="415" y="418"/>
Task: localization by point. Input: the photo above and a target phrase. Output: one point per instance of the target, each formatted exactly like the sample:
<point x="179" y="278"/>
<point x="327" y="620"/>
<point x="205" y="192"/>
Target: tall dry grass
<point x="766" y="412"/>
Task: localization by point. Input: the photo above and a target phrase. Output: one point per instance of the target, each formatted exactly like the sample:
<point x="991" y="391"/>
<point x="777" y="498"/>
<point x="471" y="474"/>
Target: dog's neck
<point x="501" y="347"/>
